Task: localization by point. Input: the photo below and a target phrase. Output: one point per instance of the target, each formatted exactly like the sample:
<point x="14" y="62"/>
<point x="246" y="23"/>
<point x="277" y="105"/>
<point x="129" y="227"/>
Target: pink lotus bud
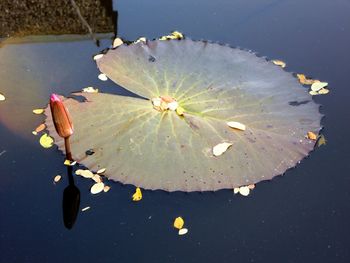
<point x="60" y="117"/>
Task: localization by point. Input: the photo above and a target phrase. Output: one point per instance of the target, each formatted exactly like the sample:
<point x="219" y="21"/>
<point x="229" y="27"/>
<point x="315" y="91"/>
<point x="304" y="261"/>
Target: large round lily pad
<point x="214" y="84"/>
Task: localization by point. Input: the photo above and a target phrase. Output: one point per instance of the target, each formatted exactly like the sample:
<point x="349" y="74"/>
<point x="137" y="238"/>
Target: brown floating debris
<point x="106" y="188"/>
<point x="97" y="188"/>
<point x="311" y="136"/>
<point x="305" y="81"/>
<point x="220" y="148"/>
<point x="57" y="178"/>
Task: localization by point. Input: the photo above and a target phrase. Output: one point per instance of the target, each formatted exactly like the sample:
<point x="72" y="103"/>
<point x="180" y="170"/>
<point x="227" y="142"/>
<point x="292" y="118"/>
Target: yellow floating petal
<point x="137" y="196"/>
<point x="46" y="141"/>
<point x="179" y="222"/>
<point x="38" y="111"/>
<point x="180" y="111"/>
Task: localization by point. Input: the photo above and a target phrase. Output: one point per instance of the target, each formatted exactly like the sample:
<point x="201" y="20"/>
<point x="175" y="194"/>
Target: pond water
<point x="302" y="216"/>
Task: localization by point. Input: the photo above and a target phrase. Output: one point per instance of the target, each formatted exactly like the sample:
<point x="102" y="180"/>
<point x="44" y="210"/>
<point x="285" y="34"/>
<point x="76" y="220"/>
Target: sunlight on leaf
<point x="46" y="141"/>
<point x="137" y="196"/>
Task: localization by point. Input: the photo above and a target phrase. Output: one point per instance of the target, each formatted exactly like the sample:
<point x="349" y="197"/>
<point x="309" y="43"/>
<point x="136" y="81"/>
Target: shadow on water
<point x="71" y="201"/>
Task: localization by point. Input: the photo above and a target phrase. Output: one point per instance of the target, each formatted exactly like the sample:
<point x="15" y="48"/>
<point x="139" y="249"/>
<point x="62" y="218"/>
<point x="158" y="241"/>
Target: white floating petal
<point x="221" y="148"/>
<point x="97" y="188"/>
<point x="244" y="190"/>
<point x="173" y="105"/>
<point x="117" y="42"/>
<point x="183" y="231"/>
<point x="318" y="85"/>
<point x="102" y="77"/>
<point x="98" y="56"/>
<point x="236" y="125"/>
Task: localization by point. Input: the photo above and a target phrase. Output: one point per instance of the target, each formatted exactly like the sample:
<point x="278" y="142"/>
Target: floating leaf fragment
<point x="311" y="136"/>
<point x="102" y="77"/>
<point x="97" y="188"/>
<point x="106" y="188"/>
<point x="137" y="196"/>
<point x="57" y="178"/>
<point x="85" y="208"/>
<point x="279" y="63"/>
<point x="244" y="190"/>
<point x="90" y="90"/>
<point x="220" y="148"/>
<point x="236" y="125"/>
<point x="183" y="231"/>
<point x="321" y="140"/>
<point x="101" y="171"/>
<point x="117" y="42"/>
<point x="38" y="111"/>
<point x="40" y="128"/>
<point x="305" y="81"/>
<point x="2" y="97"/>
<point x="179" y="222"/>
<point x="46" y="141"/>
<point x="98" y="56"/>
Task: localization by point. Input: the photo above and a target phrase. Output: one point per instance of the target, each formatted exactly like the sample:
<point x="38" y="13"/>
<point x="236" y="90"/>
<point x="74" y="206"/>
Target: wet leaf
<point x="318" y="85"/>
<point x="279" y="63"/>
<point x="90" y="90"/>
<point x="97" y="188"/>
<point x="40" y="128"/>
<point x="2" y="97"/>
<point x="311" y="136"/>
<point x="305" y="81"/>
<point x="57" y="178"/>
<point x="101" y="171"/>
<point x="85" y="208"/>
<point x="46" y="141"/>
<point x="38" y="111"/>
<point x="137" y="196"/>
<point x="102" y="77"/>
<point x="244" y="190"/>
<point x="179" y="222"/>
<point x="117" y="42"/>
<point x="236" y="125"/>
<point x="106" y="188"/>
<point x="220" y="148"/>
<point x="183" y="231"/>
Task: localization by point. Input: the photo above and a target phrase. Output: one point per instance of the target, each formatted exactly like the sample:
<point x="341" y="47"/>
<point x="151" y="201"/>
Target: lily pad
<point x="157" y="148"/>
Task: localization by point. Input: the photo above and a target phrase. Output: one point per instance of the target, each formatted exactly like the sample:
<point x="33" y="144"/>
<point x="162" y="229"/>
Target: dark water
<point x="301" y="217"/>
